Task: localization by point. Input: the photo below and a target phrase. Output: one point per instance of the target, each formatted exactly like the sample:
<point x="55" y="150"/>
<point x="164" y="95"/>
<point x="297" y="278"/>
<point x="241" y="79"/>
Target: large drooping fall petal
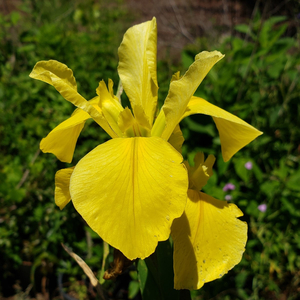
<point x="234" y="132"/>
<point x="137" y="69"/>
<point x="129" y="191"/>
<point x="61" y="77"/>
<point x="209" y="240"/>
<point x="182" y="89"/>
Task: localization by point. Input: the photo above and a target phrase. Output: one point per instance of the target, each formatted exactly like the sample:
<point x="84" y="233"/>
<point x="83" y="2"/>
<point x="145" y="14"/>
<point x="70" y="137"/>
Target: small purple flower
<point x="228" y="187"/>
<point x="228" y="197"/>
<point x="248" y="165"/>
<point x="262" y="207"/>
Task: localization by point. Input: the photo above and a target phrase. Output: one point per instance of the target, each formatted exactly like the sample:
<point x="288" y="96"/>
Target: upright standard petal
<point x="209" y="240"/>
<point x="129" y="191"/>
<point x="61" y="77"/>
<point x="183" y="89"/>
<point x="62" y="182"/>
<point x="137" y="68"/>
<point x="234" y="132"/>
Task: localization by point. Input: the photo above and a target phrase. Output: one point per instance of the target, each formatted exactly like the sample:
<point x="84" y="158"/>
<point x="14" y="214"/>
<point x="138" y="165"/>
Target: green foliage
<point x="257" y="81"/>
<point x="156" y="276"/>
<point x="84" y="35"/>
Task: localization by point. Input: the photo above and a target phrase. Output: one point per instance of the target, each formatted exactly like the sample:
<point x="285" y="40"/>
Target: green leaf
<point x="133" y="289"/>
<point x="290" y="207"/>
<point x="156" y="276"/>
<point x="243" y="28"/>
<point x="240" y="169"/>
<point x="293" y="181"/>
<point x="187" y="59"/>
<point x="165" y="270"/>
<point x="252" y="209"/>
<point x="241" y="279"/>
<point x="269" y="188"/>
<point x="268" y="36"/>
<point x="15" y="17"/>
<point x="207" y="129"/>
<point x="257" y="172"/>
<point x="221" y="165"/>
<point x="148" y="285"/>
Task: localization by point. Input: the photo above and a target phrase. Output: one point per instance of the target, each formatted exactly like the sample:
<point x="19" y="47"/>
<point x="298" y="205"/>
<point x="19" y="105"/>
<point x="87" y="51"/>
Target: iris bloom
<point x="131" y="188"/>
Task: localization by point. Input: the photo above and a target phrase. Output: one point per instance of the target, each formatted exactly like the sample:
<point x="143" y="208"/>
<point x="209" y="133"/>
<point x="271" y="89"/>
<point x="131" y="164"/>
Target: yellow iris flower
<point x="131" y="188"/>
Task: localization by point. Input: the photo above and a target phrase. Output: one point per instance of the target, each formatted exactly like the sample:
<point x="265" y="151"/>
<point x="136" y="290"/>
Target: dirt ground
<point x="180" y="22"/>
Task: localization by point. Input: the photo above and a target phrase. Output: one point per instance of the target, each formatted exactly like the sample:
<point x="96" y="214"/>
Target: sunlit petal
<point x="201" y="171"/>
<point x="209" y="240"/>
<point x="111" y="91"/>
<point x="128" y="123"/>
<point x="62" y="184"/>
<point x="183" y="89"/>
<point x="126" y="119"/>
<point x="137" y="68"/>
<point x="129" y="191"/>
<point x="159" y="124"/>
<point x="61" y="77"/>
<point x="110" y="106"/>
<point x="234" y="132"/>
<point x="61" y="141"/>
<point x="176" y="139"/>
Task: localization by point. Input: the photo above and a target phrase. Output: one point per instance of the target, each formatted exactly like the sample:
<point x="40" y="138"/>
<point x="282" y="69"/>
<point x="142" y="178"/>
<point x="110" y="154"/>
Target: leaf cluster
<point x="84" y="35"/>
<point x="257" y="81"/>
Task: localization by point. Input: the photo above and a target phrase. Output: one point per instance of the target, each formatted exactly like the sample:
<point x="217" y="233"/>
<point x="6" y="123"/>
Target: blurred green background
<point x="257" y="80"/>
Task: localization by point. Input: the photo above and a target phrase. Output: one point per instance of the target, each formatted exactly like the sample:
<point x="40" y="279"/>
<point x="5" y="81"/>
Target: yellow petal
<point x="183" y="89"/>
<point x="126" y="120"/>
<point x="201" y="171"/>
<point x="141" y="117"/>
<point x="176" y="76"/>
<point x="61" y="141"/>
<point x="129" y="191"/>
<point x="61" y="77"/>
<point x="176" y="139"/>
<point x="62" y="182"/>
<point x="93" y="101"/>
<point x="234" y="132"/>
<point x="128" y="124"/>
<point x="47" y="71"/>
<point x="159" y="124"/>
<point x="209" y="240"/>
<point x="111" y="90"/>
<point x="111" y="107"/>
<point x="137" y="68"/>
